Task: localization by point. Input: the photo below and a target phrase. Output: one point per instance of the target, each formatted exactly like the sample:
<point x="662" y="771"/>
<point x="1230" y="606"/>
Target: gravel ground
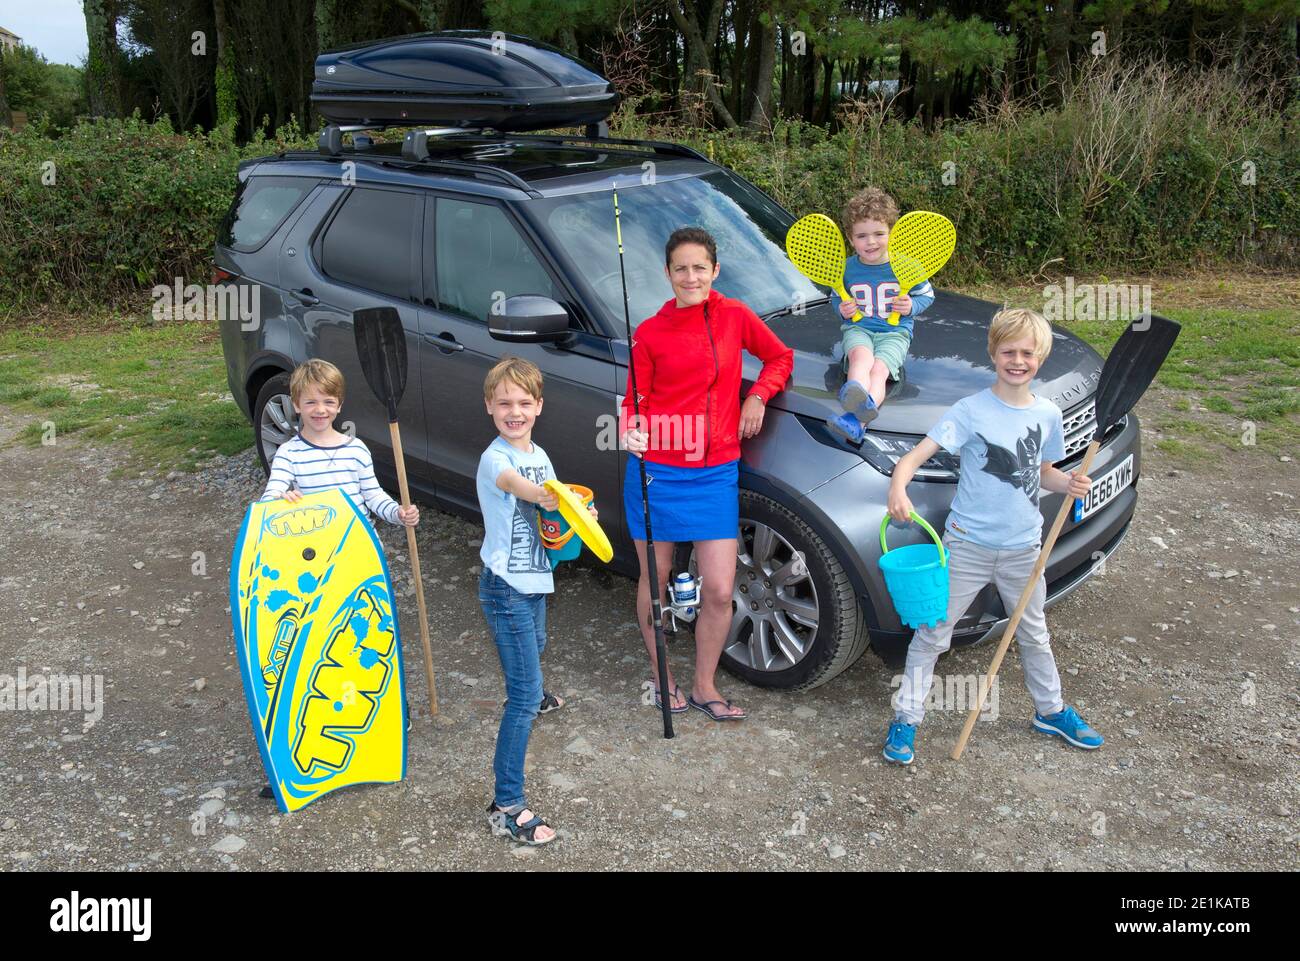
<point x="1183" y="653"/>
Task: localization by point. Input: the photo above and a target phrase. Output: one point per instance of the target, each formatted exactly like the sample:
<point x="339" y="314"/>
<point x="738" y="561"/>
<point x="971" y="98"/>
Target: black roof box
<point x="459" y="78"/>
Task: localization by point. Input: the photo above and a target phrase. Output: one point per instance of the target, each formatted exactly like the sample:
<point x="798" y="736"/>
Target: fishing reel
<point x="684" y="597"/>
<point x="683" y="601"/>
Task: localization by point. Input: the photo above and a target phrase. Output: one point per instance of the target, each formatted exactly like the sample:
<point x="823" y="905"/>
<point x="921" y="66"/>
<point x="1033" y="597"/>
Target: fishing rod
<point x="652" y="567"/>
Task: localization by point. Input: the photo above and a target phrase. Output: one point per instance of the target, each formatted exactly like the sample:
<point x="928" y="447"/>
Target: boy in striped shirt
<point x="319" y="457"/>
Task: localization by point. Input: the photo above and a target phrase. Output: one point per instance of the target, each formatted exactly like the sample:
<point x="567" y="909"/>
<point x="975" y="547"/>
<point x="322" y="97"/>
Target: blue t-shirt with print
<point x="512" y="542"/>
<point x="1002" y="449"/>
<point x="874" y="287"/>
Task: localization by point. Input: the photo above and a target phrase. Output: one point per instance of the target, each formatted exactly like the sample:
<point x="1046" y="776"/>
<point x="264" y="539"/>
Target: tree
<point x="701" y="39"/>
<point x="1059" y="37"/>
<point x="225" y="82"/>
<point x="6" y="119"/>
<point x="50" y="92"/>
<point x="274" y="53"/>
<point x="341" y="22"/>
<point x="171" y="38"/>
<point x="760" y="99"/>
<point x="103" y="58"/>
<point x="734" y="61"/>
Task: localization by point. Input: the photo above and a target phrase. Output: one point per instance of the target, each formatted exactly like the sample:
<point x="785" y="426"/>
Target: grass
<point x="160" y="386"/>
<point x="1185" y="451"/>
<point x="1236" y="362"/>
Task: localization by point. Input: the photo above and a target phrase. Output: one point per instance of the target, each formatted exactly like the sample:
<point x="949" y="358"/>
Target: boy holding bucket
<point x="1007" y="439"/>
<point x="515" y="581"/>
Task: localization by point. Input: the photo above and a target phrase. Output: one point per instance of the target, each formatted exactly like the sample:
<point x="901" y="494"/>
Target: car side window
<point x="368" y="243"/>
<point x="261" y="204"/>
<point x="481" y="258"/>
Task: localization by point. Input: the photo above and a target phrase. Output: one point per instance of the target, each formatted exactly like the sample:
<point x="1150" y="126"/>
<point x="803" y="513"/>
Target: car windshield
<point x="748" y="227"/>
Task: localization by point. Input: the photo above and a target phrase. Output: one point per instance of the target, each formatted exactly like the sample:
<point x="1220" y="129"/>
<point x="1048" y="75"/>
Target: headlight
<point x="882" y="451"/>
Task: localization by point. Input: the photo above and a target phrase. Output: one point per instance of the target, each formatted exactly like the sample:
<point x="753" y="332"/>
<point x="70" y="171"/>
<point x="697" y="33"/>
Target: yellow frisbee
<point x="580" y="520"/>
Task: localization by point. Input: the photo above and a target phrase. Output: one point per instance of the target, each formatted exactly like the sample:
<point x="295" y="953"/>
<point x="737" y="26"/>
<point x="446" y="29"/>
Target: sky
<point x="56" y="28"/>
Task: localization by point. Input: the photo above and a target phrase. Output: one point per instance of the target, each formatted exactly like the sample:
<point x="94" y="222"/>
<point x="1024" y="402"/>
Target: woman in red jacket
<point x="688" y="369"/>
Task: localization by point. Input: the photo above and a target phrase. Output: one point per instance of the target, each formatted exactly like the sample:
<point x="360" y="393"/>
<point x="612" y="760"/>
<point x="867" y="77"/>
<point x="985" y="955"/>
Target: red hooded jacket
<point x="688" y="370"/>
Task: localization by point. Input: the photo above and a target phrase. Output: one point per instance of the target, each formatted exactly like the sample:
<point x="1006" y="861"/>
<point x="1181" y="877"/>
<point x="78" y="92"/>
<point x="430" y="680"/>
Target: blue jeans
<point x="518" y="625"/>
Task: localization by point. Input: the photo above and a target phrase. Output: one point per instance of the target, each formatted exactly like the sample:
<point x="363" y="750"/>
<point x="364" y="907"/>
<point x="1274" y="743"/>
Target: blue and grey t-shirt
<point x="874" y="287"/>
<point x="1002" y="450"/>
<point x="512" y="542"/>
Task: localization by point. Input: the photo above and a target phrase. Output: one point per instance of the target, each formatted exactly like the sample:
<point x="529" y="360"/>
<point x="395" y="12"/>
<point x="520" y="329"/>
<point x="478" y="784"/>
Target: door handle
<point x="304" y="296"/>
<point x="444" y="342"/>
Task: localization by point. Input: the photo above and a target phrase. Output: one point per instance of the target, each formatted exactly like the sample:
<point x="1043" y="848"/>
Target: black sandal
<point x="707" y="708"/>
<point x="677" y="692"/>
<point x="515" y="825"/>
<point x="550" y="702"/>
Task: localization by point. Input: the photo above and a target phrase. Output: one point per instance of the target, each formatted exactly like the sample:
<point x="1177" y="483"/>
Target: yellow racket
<point x="815" y="246"/>
<point x="919" y="245"/>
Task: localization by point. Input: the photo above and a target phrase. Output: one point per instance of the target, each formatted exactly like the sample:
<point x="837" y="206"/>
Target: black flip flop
<point x="709" y="711"/>
<point x="677" y="692"/>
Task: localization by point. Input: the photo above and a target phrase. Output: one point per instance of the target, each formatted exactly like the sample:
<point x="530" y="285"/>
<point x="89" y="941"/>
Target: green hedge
<point x="1019" y="197"/>
<point x="135" y="203"/>
<point x="112" y="208"/>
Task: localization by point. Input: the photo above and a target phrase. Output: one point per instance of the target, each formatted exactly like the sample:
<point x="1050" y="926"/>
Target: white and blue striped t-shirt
<point x="312" y="468"/>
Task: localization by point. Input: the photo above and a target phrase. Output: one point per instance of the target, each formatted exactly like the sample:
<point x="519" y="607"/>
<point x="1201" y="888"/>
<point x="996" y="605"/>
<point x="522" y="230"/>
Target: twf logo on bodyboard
<point x="348" y="681"/>
<point x="300" y="520"/>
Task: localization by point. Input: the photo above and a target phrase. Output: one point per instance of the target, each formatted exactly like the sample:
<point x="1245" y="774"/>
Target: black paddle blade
<point x="381" y="348"/>
<point x="1131" y="367"/>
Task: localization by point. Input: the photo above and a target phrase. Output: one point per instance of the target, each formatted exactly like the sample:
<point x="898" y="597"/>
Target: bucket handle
<point x="884" y="549"/>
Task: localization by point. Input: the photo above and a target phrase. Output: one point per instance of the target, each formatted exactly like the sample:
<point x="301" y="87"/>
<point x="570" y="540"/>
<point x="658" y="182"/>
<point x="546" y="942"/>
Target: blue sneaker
<point x="847" y="426"/>
<point x="898" y="743"/>
<point x="1069" y="725"/>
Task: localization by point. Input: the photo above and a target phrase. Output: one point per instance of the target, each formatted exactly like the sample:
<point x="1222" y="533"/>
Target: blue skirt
<point x="686" y="503"/>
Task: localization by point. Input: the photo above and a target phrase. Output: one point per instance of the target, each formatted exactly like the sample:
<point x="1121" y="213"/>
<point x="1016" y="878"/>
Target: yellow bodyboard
<point x="580" y="520"/>
<point x="919" y="245"/>
<point x="317" y="639"/>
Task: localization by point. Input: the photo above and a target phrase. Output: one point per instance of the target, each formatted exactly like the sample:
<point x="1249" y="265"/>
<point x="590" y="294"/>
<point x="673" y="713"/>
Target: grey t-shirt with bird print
<point x="1002" y="450"/>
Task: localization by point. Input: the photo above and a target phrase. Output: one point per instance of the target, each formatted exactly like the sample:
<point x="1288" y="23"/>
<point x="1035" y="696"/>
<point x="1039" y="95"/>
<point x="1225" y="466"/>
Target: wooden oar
<point x="1128" y="372"/>
<point x="381" y="348"/>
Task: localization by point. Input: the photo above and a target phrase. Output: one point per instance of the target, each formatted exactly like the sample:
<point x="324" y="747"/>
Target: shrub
<point x="1141" y="169"/>
<point x="113" y="207"/>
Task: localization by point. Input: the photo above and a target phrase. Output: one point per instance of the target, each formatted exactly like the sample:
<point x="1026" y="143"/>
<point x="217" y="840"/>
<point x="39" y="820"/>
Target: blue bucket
<point x="560" y="540"/>
<point x="917" y="578"/>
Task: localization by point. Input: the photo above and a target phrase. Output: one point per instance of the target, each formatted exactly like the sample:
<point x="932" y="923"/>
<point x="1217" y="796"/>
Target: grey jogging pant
<point x="970" y="568"/>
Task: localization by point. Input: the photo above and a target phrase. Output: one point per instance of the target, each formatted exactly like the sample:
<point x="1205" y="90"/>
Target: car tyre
<point x="794" y="651"/>
<point x="274" y="418"/>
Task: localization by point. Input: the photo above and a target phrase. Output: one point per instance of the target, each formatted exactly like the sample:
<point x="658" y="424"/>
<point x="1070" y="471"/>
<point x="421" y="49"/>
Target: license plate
<point x="1103" y="489"/>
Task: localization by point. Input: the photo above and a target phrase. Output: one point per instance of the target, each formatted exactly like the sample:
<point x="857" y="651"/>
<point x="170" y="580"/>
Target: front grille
<point x="1080" y="425"/>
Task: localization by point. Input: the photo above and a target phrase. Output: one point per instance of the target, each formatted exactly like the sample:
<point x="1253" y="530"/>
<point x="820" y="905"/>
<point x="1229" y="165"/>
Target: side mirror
<point x="530" y="319"/>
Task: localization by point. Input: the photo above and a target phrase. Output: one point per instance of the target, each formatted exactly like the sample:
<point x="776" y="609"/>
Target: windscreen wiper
<point x="785" y="311"/>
